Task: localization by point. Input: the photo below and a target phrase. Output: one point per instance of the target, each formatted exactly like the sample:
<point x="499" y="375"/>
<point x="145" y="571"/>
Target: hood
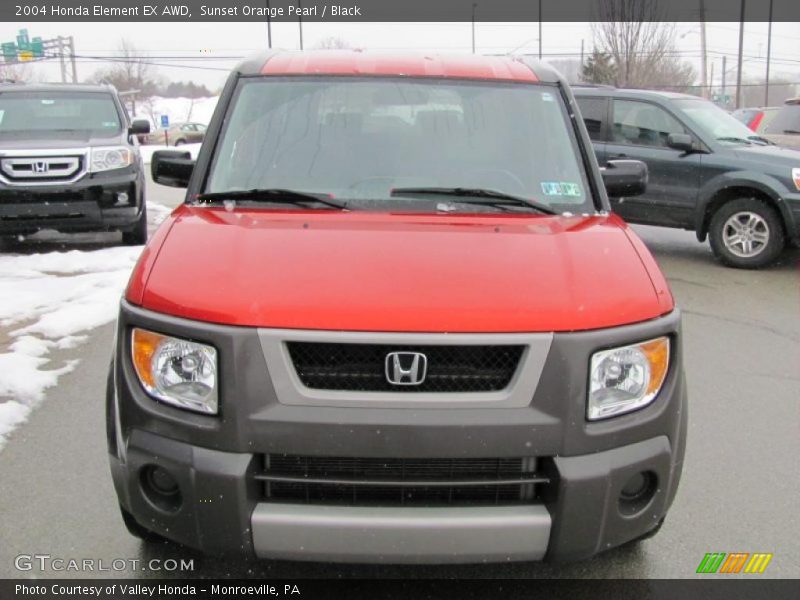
<point x="786" y="150"/>
<point x="397" y="272"/>
<point x="45" y="140"/>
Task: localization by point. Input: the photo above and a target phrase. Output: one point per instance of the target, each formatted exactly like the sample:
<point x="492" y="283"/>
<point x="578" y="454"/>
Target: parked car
<point x="784" y="128"/>
<point x="708" y="172"/>
<point x="69" y="160"/>
<point x="178" y="134"/>
<point x="756" y="119"/>
<point x="416" y="333"/>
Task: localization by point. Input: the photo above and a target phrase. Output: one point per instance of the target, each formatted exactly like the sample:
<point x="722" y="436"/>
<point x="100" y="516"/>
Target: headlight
<point x="796" y="178"/>
<point x="627" y="378"/>
<point x="106" y="159"/>
<point x="176" y="371"/>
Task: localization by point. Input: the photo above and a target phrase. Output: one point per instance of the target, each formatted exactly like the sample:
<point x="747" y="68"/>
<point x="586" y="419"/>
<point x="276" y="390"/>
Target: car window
<point x="59" y="109"/>
<point x="595" y="113"/>
<point x="187" y="127"/>
<point x="643" y="124"/>
<point x="507" y="137"/>
<point x="787" y="120"/>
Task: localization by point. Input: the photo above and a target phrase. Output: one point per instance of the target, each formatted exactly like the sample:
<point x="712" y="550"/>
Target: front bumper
<point x="90" y="204"/>
<point x="215" y="460"/>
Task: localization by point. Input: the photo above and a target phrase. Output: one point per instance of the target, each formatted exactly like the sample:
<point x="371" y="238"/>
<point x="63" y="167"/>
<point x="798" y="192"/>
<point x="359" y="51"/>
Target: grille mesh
<point x="362" y="367"/>
<point x="412" y="482"/>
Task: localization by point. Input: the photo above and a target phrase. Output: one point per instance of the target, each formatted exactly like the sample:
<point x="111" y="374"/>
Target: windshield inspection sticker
<point x="561" y="188"/>
<point x="547" y="97"/>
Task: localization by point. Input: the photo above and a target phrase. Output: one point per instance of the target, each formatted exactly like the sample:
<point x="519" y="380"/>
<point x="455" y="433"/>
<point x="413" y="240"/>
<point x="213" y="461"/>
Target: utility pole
<point x="540" y="29"/>
<point x="300" y="21"/>
<point x="724" y="73"/>
<point x="581" y="54"/>
<point x="269" y="27"/>
<point x="703" y="52"/>
<point x="474" y="6"/>
<point x="769" y="51"/>
<point x="72" y="57"/>
<point x="739" y="65"/>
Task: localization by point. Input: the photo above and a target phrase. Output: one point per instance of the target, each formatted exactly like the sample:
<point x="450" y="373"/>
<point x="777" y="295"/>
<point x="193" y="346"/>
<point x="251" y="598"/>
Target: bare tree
<point x="16" y="72"/>
<point x="331" y="43"/>
<point x="641" y="45"/>
<point x="131" y="71"/>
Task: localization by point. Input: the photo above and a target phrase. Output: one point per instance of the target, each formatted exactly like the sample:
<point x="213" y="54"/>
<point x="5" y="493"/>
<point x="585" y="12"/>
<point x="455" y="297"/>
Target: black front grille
<point x="362" y="367"/>
<point x="398" y="481"/>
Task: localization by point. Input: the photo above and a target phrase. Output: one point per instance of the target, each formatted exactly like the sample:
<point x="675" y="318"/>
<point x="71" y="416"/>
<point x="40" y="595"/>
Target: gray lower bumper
<point x="400" y="535"/>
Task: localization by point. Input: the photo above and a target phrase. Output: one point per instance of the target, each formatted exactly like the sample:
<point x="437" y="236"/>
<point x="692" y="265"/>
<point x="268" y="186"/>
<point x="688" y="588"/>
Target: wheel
<point x="746" y="233"/>
<point x="138" y="235"/>
<point x="180" y="142"/>
<point x="136" y="530"/>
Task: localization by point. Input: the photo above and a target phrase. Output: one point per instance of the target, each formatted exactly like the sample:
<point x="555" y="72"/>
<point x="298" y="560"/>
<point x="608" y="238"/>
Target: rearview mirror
<point x="171" y="167"/>
<point x="680" y="141"/>
<point x="625" y="178"/>
<point x="139" y="127"/>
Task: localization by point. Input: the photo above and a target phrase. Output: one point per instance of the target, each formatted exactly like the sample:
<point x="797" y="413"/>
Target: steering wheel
<point x="516" y="183"/>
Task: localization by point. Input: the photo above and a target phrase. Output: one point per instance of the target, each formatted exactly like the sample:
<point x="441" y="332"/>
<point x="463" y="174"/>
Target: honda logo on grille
<point x="406" y="368"/>
<point x="40" y="166"/>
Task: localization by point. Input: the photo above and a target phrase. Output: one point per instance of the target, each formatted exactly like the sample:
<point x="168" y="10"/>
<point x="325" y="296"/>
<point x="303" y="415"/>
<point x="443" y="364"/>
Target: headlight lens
<point x="106" y="159"/>
<point x="627" y="378"/>
<point x="176" y="371"/>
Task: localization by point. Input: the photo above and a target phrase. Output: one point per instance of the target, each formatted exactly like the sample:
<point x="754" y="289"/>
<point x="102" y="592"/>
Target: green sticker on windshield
<point x="561" y="188"/>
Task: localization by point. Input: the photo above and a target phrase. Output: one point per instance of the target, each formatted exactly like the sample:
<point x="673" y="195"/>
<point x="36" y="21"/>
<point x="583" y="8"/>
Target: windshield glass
<point x="714" y="121"/>
<point x="59" y="110"/>
<point x="359" y="139"/>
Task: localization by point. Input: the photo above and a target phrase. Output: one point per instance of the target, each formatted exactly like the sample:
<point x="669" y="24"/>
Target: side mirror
<point x="171" y="167"/>
<point x="139" y="127"/>
<point x="680" y="141"/>
<point x="625" y="178"/>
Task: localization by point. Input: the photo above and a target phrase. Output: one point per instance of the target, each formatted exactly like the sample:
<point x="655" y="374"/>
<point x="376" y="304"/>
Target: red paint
<point x="355" y="62"/>
<point x="364" y="271"/>
<point x="756" y="120"/>
<point x="138" y="280"/>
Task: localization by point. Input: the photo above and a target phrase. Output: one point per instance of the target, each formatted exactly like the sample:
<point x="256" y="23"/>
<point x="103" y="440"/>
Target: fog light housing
<point x="122" y="198"/>
<point x="637" y="492"/>
<point x="160" y="488"/>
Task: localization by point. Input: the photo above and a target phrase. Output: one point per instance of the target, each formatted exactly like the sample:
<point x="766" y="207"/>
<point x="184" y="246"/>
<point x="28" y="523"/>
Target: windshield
<point x="59" y="110"/>
<point x="360" y="139"/>
<point x="714" y="121"/>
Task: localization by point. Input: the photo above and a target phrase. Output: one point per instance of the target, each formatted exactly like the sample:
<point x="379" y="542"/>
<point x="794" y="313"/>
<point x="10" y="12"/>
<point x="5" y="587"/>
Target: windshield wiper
<point x="734" y="139"/>
<point x="278" y="195"/>
<point x="759" y="138"/>
<point x="473" y="195"/>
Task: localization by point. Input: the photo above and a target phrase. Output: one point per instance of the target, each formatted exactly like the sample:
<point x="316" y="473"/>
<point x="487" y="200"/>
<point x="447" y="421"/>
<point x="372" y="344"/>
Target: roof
<point x="55" y="87"/>
<point x="594" y="90"/>
<point x="406" y="64"/>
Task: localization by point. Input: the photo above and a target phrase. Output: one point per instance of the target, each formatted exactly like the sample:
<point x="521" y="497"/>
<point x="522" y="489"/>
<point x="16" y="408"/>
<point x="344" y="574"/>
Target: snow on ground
<point x="195" y="110"/>
<point x="147" y="150"/>
<point x="49" y="301"/>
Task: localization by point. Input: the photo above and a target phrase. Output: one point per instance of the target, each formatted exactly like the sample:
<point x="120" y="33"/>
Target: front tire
<point x="138" y="235"/>
<point x="180" y="142"/>
<point x="746" y="233"/>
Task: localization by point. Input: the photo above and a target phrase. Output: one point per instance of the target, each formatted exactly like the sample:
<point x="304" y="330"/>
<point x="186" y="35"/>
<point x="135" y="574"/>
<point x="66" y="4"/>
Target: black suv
<point x="69" y="160"/>
<point x="708" y="172"/>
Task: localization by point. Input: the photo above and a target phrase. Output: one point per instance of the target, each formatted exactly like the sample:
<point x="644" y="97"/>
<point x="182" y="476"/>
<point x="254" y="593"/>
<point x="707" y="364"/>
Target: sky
<point x="205" y="52"/>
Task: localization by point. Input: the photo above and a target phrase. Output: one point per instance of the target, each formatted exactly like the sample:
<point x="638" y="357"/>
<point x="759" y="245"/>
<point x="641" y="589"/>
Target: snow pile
<point x="47" y="301"/>
<point x="195" y="110"/>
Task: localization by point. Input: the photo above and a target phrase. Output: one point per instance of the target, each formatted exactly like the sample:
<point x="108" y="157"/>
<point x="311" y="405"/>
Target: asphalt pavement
<point x="739" y="491"/>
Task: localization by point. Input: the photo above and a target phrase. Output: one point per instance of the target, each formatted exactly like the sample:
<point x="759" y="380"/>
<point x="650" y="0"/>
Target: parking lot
<point x="740" y="481"/>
